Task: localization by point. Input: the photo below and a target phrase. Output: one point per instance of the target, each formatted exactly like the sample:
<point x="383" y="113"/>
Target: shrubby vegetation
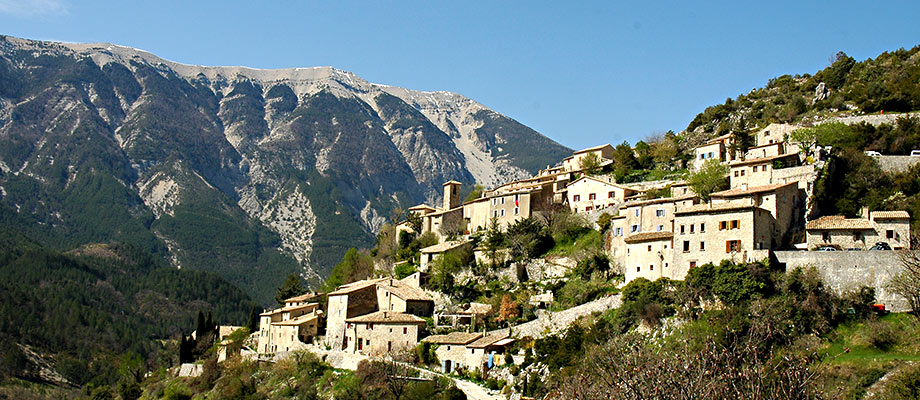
<point x="748" y="331"/>
<point x="851" y="179"/>
<point x="301" y="376"/>
<point x="887" y="83"/>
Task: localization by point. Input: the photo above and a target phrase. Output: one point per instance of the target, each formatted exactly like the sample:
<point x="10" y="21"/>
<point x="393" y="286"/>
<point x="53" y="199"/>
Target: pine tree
<point x="253" y="323"/>
<point x="290" y="288"/>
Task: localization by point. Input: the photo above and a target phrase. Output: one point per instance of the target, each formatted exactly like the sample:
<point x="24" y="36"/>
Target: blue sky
<point x="582" y="73"/>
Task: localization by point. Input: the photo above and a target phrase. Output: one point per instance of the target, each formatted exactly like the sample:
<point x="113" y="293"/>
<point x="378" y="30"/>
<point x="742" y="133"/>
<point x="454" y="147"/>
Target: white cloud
<point x="33" y="8"/>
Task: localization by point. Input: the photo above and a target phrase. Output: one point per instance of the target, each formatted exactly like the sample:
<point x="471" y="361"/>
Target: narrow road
<point x="474" y="391"/>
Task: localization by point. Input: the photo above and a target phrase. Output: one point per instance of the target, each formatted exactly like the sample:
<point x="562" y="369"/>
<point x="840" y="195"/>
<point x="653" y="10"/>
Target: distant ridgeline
<point x="252" y="174"/>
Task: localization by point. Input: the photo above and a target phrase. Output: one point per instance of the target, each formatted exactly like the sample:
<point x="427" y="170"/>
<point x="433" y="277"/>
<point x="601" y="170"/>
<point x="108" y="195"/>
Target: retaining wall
<point x="848" y="270"/>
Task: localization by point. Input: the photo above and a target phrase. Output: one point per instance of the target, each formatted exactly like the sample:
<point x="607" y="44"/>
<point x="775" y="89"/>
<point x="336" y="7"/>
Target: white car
<point x="915" y="153"/>
<point x="871" y="153"/>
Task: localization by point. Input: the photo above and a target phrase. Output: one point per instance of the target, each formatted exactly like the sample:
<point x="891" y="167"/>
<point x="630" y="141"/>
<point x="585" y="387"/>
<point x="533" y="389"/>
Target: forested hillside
<point x="81" y="313"/>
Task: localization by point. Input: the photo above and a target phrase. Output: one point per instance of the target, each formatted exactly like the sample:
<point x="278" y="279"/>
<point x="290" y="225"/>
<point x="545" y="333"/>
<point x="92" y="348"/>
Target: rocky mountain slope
<point x="250" y="173"/>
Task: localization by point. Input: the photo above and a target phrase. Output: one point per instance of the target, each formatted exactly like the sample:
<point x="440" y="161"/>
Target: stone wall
<point x="873" y="119"/>
<point x="848" y="270"/>
<point x="897" y="163"/>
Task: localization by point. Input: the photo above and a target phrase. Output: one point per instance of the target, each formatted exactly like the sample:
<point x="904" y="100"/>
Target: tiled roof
<point x="299" y="320"/>
<point x="707" y="208"/>
<point x="592" y="149"/>
<point x="761" y="160"/>
<point x="839" y="222"/>
<point x="477" y="308"/>
<point x="387" y="317"/>
<point x="889" y="215"/>
<point x="658" y="200"/>
<point x="648" y="236"/>
<point x="405" y="292"/>
<point x="487" y="341"/>
<point x="751" y="190"/>
<point x="718" y="139"/>
<point x="303" y="297"/>
<point x="453" y="338"/>
<point x="444" y="246"/>
<point x="354" y="286"/>
<point x="290" y="308"/>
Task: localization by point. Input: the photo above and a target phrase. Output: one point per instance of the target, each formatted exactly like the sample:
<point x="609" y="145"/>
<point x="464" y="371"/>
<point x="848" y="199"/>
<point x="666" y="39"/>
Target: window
<point x="742" y="172"/>
<point x="754" y="169"/>
<point x="405" y="330"/>
<point x="665" y="265"/>
<point x="702" y="246"/>
<point x="665" y="246"/>
<point x="826" y="237"/>
<point x="682" y="227"/>
<point x="702" y="227"/>
<point x="686" y="246"/>
<point x="637" y="212"/>
<point x="589" y="208"/>
<point x="517" y="210"/>
<point x="619" y="231"/>
<point x="649" y="247"/>
<point x="577" y="197"/>
<point x="651" y="267"/>
<point x="638" y="269"/>
<point x="692" y="265"/>
<point x="732" y="246"/>
<point x="370" y="327"/>
<point x="712" y="154"/>
<point x="735" y="224"/>
<point x="722" y="225"/>
<point x="691" y="228"/>
<point x="495" y="213"/>
<point x="610" y="195"/>
<point x="889" y="234"/>
<point x="592" y="196"/>
<point x="635" y="228"/>
<point x="857" y="236"/>
<point x="660" y="228"/>
<point x="659" y="213"/>
<point x="503" y="213"/>
<point x="736" y="174"/>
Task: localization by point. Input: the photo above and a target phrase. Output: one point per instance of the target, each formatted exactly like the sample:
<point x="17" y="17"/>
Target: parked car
<point x="871" y="153"/>
<point x="826" y="248"/>
<point x="915" y="153"/>
<point x="881" y="246"/>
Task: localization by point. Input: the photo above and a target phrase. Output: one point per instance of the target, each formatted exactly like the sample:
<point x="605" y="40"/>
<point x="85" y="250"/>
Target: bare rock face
<point x="821" y="93"/>
<point x="249" y="173"/>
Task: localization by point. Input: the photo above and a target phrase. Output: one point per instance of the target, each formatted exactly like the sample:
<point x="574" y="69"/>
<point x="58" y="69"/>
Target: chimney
<point x="451" y="195"/>
<point x="864" y="212"/>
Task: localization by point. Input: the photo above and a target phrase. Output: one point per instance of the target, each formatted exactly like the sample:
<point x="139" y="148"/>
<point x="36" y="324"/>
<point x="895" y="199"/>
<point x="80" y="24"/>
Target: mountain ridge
<point x="199" y="149"/>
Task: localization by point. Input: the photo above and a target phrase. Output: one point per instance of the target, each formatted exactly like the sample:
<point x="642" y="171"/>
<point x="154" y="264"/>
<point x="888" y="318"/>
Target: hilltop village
<point x="653" y="229"/>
